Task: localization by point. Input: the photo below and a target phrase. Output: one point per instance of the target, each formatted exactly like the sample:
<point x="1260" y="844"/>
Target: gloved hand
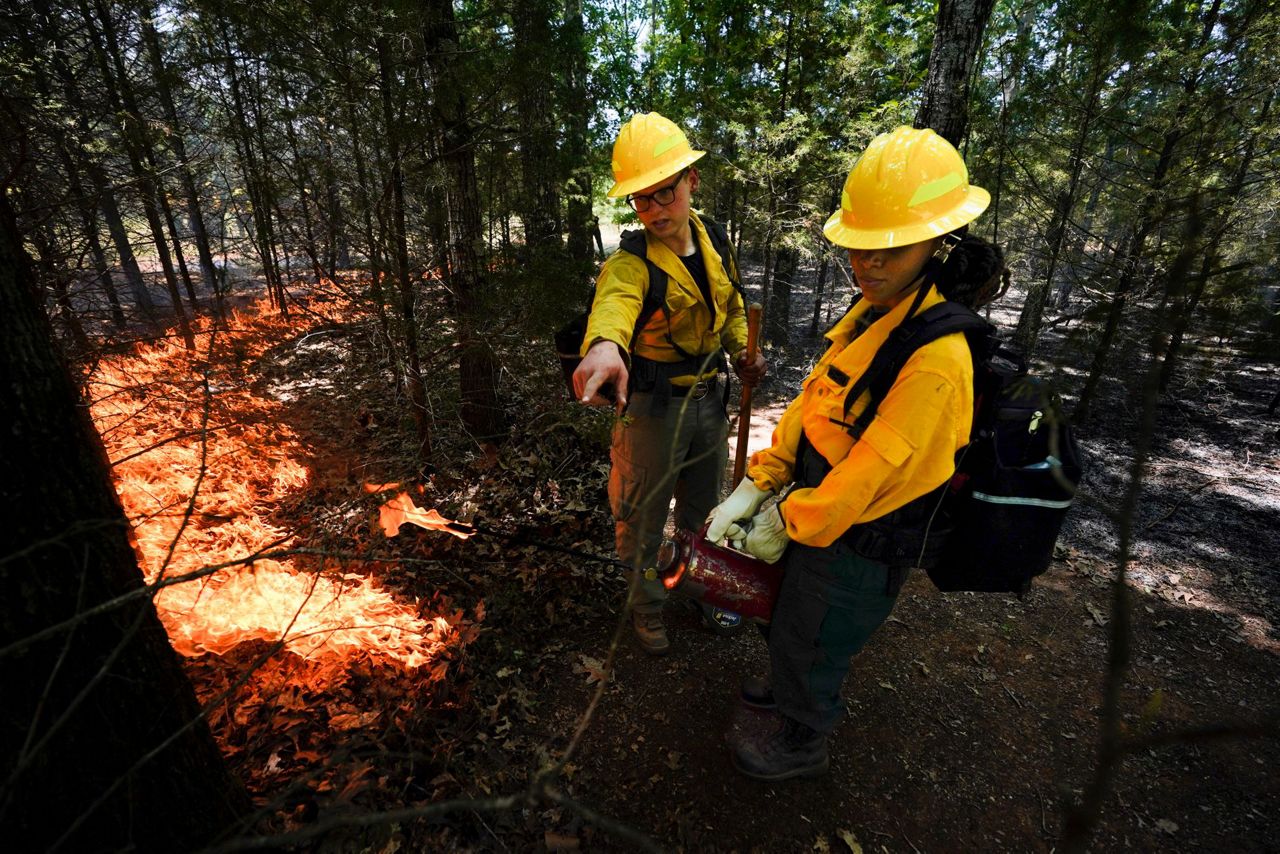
<point x="768" y="538"/>
<point x="742" y="504"/>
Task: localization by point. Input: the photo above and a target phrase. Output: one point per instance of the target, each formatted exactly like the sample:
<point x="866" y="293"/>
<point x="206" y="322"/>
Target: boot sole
<point x="811" y="771"/>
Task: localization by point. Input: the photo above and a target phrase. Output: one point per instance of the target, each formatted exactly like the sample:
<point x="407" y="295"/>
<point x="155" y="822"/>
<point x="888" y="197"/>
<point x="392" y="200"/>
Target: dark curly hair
<point x="973" y="273"/>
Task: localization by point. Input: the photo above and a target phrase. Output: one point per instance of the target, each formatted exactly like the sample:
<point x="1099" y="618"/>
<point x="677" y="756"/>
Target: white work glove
<point x="742" y="504"/>
<point x="768" y="538"/>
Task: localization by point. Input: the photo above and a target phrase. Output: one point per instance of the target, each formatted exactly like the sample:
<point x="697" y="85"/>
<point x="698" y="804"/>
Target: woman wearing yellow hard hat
<point x="862" y="490"/>
<point x="667" y="306"/>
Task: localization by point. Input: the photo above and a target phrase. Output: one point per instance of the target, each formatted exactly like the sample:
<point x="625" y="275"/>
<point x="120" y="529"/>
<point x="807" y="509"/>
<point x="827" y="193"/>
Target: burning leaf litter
<point x="201" y="462"/>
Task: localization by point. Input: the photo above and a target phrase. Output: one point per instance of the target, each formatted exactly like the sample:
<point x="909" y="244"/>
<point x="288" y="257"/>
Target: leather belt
<point x="697" y="391"/>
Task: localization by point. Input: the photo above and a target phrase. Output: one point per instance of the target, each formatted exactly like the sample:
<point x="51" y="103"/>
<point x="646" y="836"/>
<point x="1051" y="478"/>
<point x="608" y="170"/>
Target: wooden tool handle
<point x="744" y="405"/>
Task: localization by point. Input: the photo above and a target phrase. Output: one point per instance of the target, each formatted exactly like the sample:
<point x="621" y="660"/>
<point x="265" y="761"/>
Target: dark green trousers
<point x="831" y="602"/>
<point x="678" y="451"/>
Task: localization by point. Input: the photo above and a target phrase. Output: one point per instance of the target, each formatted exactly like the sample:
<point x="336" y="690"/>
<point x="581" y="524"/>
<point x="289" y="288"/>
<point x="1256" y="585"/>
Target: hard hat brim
<point x="653" y="176"/>
<point x="976" y="201"/>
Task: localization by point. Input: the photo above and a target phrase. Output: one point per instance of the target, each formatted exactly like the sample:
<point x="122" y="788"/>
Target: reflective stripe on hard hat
<point x="649" y="148"/>
<point x="908" y="186"/>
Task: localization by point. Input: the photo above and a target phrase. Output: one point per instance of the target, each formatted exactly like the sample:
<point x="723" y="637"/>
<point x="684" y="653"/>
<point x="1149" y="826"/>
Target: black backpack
<point x="993" y="527"/>
<point x="568" y="339"/>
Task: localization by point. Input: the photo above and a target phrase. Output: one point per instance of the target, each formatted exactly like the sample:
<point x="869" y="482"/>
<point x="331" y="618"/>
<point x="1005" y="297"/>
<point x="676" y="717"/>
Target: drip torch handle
<point x="744" y="404"/>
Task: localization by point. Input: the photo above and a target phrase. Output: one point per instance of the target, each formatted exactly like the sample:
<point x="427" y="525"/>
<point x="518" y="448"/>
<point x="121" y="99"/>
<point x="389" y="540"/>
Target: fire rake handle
<point x="744" y="404"/>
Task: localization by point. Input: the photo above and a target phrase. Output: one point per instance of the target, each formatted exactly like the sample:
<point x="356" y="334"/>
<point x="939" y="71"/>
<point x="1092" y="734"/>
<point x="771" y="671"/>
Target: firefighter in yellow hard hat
<point x="668" y="307"/>
<point x="857" y="497"/>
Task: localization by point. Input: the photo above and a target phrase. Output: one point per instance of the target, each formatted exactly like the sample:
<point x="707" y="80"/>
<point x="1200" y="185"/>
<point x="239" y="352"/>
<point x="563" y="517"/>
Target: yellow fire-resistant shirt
<point x="907" y="450"/>
<point x="688" y="320"/>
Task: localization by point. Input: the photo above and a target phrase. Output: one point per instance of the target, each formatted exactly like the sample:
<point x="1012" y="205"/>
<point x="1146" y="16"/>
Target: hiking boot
<point x="791" y="750"/>
<point x="756" y="693"/>
<point x="650" y="632"/>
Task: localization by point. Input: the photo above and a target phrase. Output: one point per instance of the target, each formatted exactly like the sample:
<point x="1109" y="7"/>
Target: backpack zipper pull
<point x="1035" y="421"/>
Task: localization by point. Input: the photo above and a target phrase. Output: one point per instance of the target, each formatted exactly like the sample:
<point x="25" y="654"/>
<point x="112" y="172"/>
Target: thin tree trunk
<point x="1150" y="214"/>
<point x="199" y="234"/>
<point x="539" y="172"/>
<point x="582" y="222"/>
<point x="1184" y="308"/>
<point x="467" y="269"/>
<point x="400" y="255"/>
<point x="89" y="222"/>
<point x="1027" y="333"/>
<point x="371" y="241"/>
<point x="102" y="43"/>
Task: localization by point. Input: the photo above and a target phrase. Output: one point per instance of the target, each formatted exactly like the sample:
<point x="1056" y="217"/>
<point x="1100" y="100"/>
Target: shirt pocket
<point x="886" y="441"/>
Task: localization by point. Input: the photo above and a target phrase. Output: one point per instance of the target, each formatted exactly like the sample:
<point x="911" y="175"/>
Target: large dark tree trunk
<point x="101" y="742"/>
<point x="957" y="38"/>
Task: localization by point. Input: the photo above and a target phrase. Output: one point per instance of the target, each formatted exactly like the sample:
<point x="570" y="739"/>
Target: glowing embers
<point x="401" y="510"/>
<point x="202" y="464"/>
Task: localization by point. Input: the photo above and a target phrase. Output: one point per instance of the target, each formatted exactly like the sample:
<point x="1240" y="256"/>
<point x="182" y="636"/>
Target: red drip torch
<point x="719" y="576"/>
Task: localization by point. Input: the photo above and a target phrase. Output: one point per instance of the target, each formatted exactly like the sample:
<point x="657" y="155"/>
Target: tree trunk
<point x="120" y="96"/>
<point x="1149" y="217"/>
<point x="957" y="39"/>
<point x="254" y="183"/>
<point x="467" y="270"/>
<point x="400" y="249"/>
<point x="89" y="222"/>
<point x="581" y="222"/>
<point x="536" y="54"/>
<point x="101" y="741"/>
<point x="1027" y="333"/>
<point x="1185" y="305"/>
<point x="199" y="234"/>
<point x="366" y="213"/>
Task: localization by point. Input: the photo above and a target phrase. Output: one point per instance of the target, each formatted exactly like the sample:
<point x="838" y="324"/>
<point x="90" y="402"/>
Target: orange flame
<point x="201" y="466"/>
<point x="401" y="509"/>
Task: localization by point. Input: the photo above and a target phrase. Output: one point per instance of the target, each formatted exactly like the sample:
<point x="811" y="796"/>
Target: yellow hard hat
<point x="908" y="186"/>
<point x="648" y="149"/>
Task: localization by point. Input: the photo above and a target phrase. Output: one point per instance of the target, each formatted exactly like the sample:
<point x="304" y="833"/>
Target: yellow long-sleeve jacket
<point x="697" y="328"/>
<point x="907" y="450"/>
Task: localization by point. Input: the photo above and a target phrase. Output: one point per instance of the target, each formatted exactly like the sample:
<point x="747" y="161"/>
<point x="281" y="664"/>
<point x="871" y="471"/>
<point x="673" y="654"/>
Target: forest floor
<point x="972" y="721"/>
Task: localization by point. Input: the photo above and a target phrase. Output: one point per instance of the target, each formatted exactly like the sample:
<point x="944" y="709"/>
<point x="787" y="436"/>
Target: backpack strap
<point x="942" y="319"/>
<point x="724" y="248"/>
<point x="655" y="295"/>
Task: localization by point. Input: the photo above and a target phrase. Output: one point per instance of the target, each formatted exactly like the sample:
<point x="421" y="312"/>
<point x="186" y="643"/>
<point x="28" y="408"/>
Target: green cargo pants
<point x="680" y="452"/>
<point x="831" y="602"/>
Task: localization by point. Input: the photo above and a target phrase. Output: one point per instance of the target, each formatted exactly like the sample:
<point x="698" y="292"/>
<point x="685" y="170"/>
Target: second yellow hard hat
<point x="909" y="185"/>
<point x="649" y="148"/>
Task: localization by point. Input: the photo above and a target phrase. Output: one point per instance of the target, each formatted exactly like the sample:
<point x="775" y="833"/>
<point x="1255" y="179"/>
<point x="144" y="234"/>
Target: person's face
<point x="887" y="276"/>
<point x="673" y="217"/>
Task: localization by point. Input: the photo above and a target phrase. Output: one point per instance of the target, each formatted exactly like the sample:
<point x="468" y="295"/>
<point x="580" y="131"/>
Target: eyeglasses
<point x="663" y="195"/>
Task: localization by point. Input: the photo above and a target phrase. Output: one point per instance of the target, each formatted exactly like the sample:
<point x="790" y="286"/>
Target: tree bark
<point x="101" y="742"/>
<point x="1150" y="214"/>
<point x="536" y="54"/>
<point x="467" y="269"/>
<point x="581" y="221"/>
<point x="957" y="38"/>
<point x="400" y="250"/>
<point x="102" y="44"/>
<point x="199" y="234"/>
